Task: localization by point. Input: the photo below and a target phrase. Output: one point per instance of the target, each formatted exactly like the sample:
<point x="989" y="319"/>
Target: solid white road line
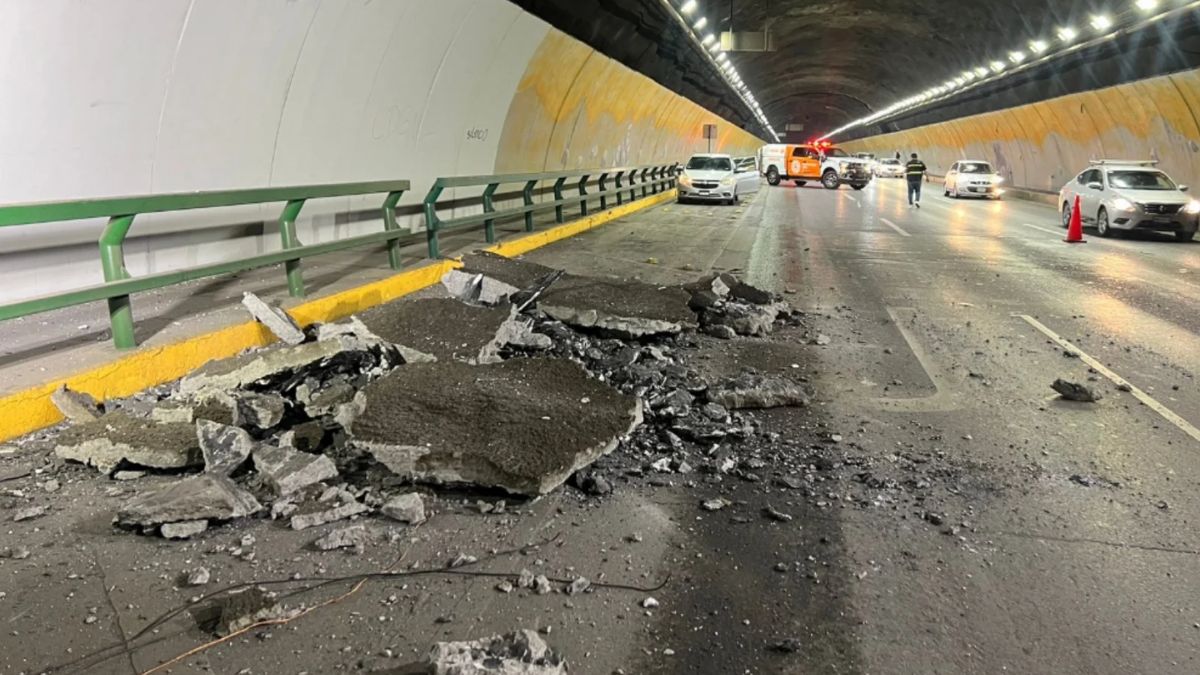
<point x="1045" y="229"/>
<point x="894" y="227"/>
<point x="1140" y="395"/>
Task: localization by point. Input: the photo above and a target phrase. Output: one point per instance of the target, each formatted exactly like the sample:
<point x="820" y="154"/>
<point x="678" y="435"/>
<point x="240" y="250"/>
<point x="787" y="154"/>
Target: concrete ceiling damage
<point x="835" y="61"/>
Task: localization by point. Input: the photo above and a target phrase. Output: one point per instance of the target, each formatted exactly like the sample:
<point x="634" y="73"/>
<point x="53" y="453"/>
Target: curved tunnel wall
<point x="1042" y="145"/>
<point x="119" y="97"/>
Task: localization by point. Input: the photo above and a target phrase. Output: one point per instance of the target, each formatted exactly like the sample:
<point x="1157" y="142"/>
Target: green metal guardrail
<point x="627" y="180"/>
<point x="121" y="211"/>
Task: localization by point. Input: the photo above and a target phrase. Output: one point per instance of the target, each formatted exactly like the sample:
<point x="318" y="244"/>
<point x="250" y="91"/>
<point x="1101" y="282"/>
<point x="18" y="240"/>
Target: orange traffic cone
<point x="1075" y="227"/>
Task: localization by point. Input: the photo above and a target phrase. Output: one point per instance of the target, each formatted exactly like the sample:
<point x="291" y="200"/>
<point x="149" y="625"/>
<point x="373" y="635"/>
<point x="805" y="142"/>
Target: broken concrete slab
<point x="625" y="308"/>
<point x="118" y="438"/>
<point x="286" y="470"/>
<point x="260" y="411"/>
<point x="204" y="497"/>
<point x="407" y="508"/>
<point x="353" y="536"/>
<point x="357" y="329"/>
<point x="444" y="328"/>
<point x="225" y="448"/>
<point x="746" y="319"/>
<point x="520" y="653"/>
<point x="477" y="288"/>
<point x="29" y="513"/>
<point x="274" y="318"/>
<point x="207" y="404"/>
<point x="76" y="406"/>
<point x="517" y="425"/>
<point x="1073" y="391"/>
<point x="242" y="370"/>
<point x="347" y="509"/>
<point x="757" y="391"/>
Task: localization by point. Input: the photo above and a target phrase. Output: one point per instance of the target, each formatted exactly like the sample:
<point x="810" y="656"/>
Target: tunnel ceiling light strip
<point x="1104" y="24"/>
<point x="710" y="46"/>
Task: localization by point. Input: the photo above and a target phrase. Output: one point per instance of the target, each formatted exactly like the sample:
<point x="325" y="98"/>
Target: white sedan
<point x="972" y="178"/>
<point x="1122" y="195"/>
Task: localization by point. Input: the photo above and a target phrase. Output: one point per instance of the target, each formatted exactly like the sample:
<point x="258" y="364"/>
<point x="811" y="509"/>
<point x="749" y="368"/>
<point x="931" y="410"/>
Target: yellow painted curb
<point x="31" y="409"/>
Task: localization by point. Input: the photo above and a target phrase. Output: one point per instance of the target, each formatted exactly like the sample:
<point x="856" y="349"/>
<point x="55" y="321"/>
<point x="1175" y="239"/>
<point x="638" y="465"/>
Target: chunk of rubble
<point x="407" y="508"/>
<point x="1073" y="391"/>
<point x="29" y="513"/>
<point x="286" y="470"/>
<point x="242" y="370"/>
<point x="757" y="391"/>
<point x="746" y="319"/>
<point x="347" y="507"/>
<point x="225" y="448"/>
<point x="357" y="329"/>
<point x="207" y="404"/>
<point x="477" y="288"/>
<point x="234" y="612"/>
<point x="274" y="318"/>
<point x="451" y="330"/>
<point x="205" y="497"/>
<point x="520" y="653"/>
<point x="118" y="438"/>
<point x="260" y="411"/>
<point x="353" y="536"/>
<point x="516" y="425"/>
<point x="76" y="406"/>
<point x="183" y="530"/>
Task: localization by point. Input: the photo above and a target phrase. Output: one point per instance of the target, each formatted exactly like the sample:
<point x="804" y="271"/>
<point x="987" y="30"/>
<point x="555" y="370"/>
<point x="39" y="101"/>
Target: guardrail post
<point x="558" y="198"/>
<point x="603" y="197"/>
<point x="620" y="192"/>
<point x="645" y="192"/>
<point x="654" y="180"/>
<point x="287" y="233"/>
<point x="489" y="225"/>
<point x="583" y="208"/>
<point x="390" y="224"/>
<point x="431" y="219"/>
<point x="674" y="175"/>
<point x="527" y="197"/>
<point x="633" y="185"/>
<point x="112" y="261"/>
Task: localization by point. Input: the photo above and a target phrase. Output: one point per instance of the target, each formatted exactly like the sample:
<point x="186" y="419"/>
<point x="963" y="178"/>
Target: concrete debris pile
<point x="521" y="653"/>
<point x="520" y="382"/>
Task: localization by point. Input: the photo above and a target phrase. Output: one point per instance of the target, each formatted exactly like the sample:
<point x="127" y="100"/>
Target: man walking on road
<point x="915" y="172"/>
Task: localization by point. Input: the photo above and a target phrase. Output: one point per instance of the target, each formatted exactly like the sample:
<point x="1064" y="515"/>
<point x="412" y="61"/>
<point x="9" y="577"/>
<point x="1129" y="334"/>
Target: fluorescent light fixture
<point x="960" y="81"/>
<point x="722" y="58"/>
<point x="1038" y="46"/>
<point x="688" y="7"/>
<point x="715" y="47"/>
<point x="998" y="66"/>
<point x="1016" y="57"/>
<point x="969" y="75"/>
<point x="1147" y="5"/>
<point x="701" y="23"/>
<point x="981" y="72"/>
<point x="708" y="39"/>
<point x="1067" y="34"/>
<point x="1101" y="22"/>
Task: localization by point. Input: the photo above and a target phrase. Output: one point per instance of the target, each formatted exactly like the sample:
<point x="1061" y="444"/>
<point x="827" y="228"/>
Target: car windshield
<point x="975" y="167"/>
<point x="836" y="152"/>
<point x="890" y="162"/>
<point x="1140" y="180"/>
<point x="709" y="164"/>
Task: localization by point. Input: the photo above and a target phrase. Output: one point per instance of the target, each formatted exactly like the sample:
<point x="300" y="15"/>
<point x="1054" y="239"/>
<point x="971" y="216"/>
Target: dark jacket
<point x="914" y="169"/>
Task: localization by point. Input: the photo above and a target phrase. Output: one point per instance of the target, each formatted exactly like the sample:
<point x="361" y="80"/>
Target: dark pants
<point x="914" y="190"/>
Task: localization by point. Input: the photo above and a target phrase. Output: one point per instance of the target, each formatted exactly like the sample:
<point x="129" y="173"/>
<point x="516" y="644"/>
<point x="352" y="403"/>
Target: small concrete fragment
<point x="287" y="470"/>
<point x="515" y="425"/>
<point x="407" y="508"/>
<point x="274" y="318"/>
<point x="117" y="438"/>
<point x="76" y="406"/>
<point x="756" y="391"/>
<point x="354" y="536"/>
<point x="520" y="653"/>
<point x="198" y="577"/>
<point x="747" y="319"/>
<point x="204" y="497"/>
<point x="579" y="585"/>
<point x="477" y="288"/>
<point x="225" y="448"/>
<point x="260" y="411"/>
<point x="347" y="509"/>
<point x="29" y="513"/>
<point x="1073" y="391"/>
<point x="207" y="404"/>
<point x="183" y="530"/>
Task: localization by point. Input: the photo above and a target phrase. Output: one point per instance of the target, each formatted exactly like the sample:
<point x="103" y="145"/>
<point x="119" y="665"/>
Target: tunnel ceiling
<point x="840" y="60"/>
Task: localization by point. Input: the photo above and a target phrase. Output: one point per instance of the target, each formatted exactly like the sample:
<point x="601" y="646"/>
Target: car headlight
<point x="685" y="180"/>
<point x="727" y="181"/>
<point x="1192" y="208"/>
<point x="998" y="179"/>
<point x="1122" y="204"/>
<point x="841" y="166"/>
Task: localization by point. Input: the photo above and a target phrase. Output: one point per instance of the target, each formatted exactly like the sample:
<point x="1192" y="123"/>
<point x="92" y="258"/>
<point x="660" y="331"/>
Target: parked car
<point x="820" y="161"/>
<point x="972" y="178"/>
<point x="717" y="178"/>
<point x="889" y="168"/>
<point x="869" y="158"/>
<point x="1122" y="196"/>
